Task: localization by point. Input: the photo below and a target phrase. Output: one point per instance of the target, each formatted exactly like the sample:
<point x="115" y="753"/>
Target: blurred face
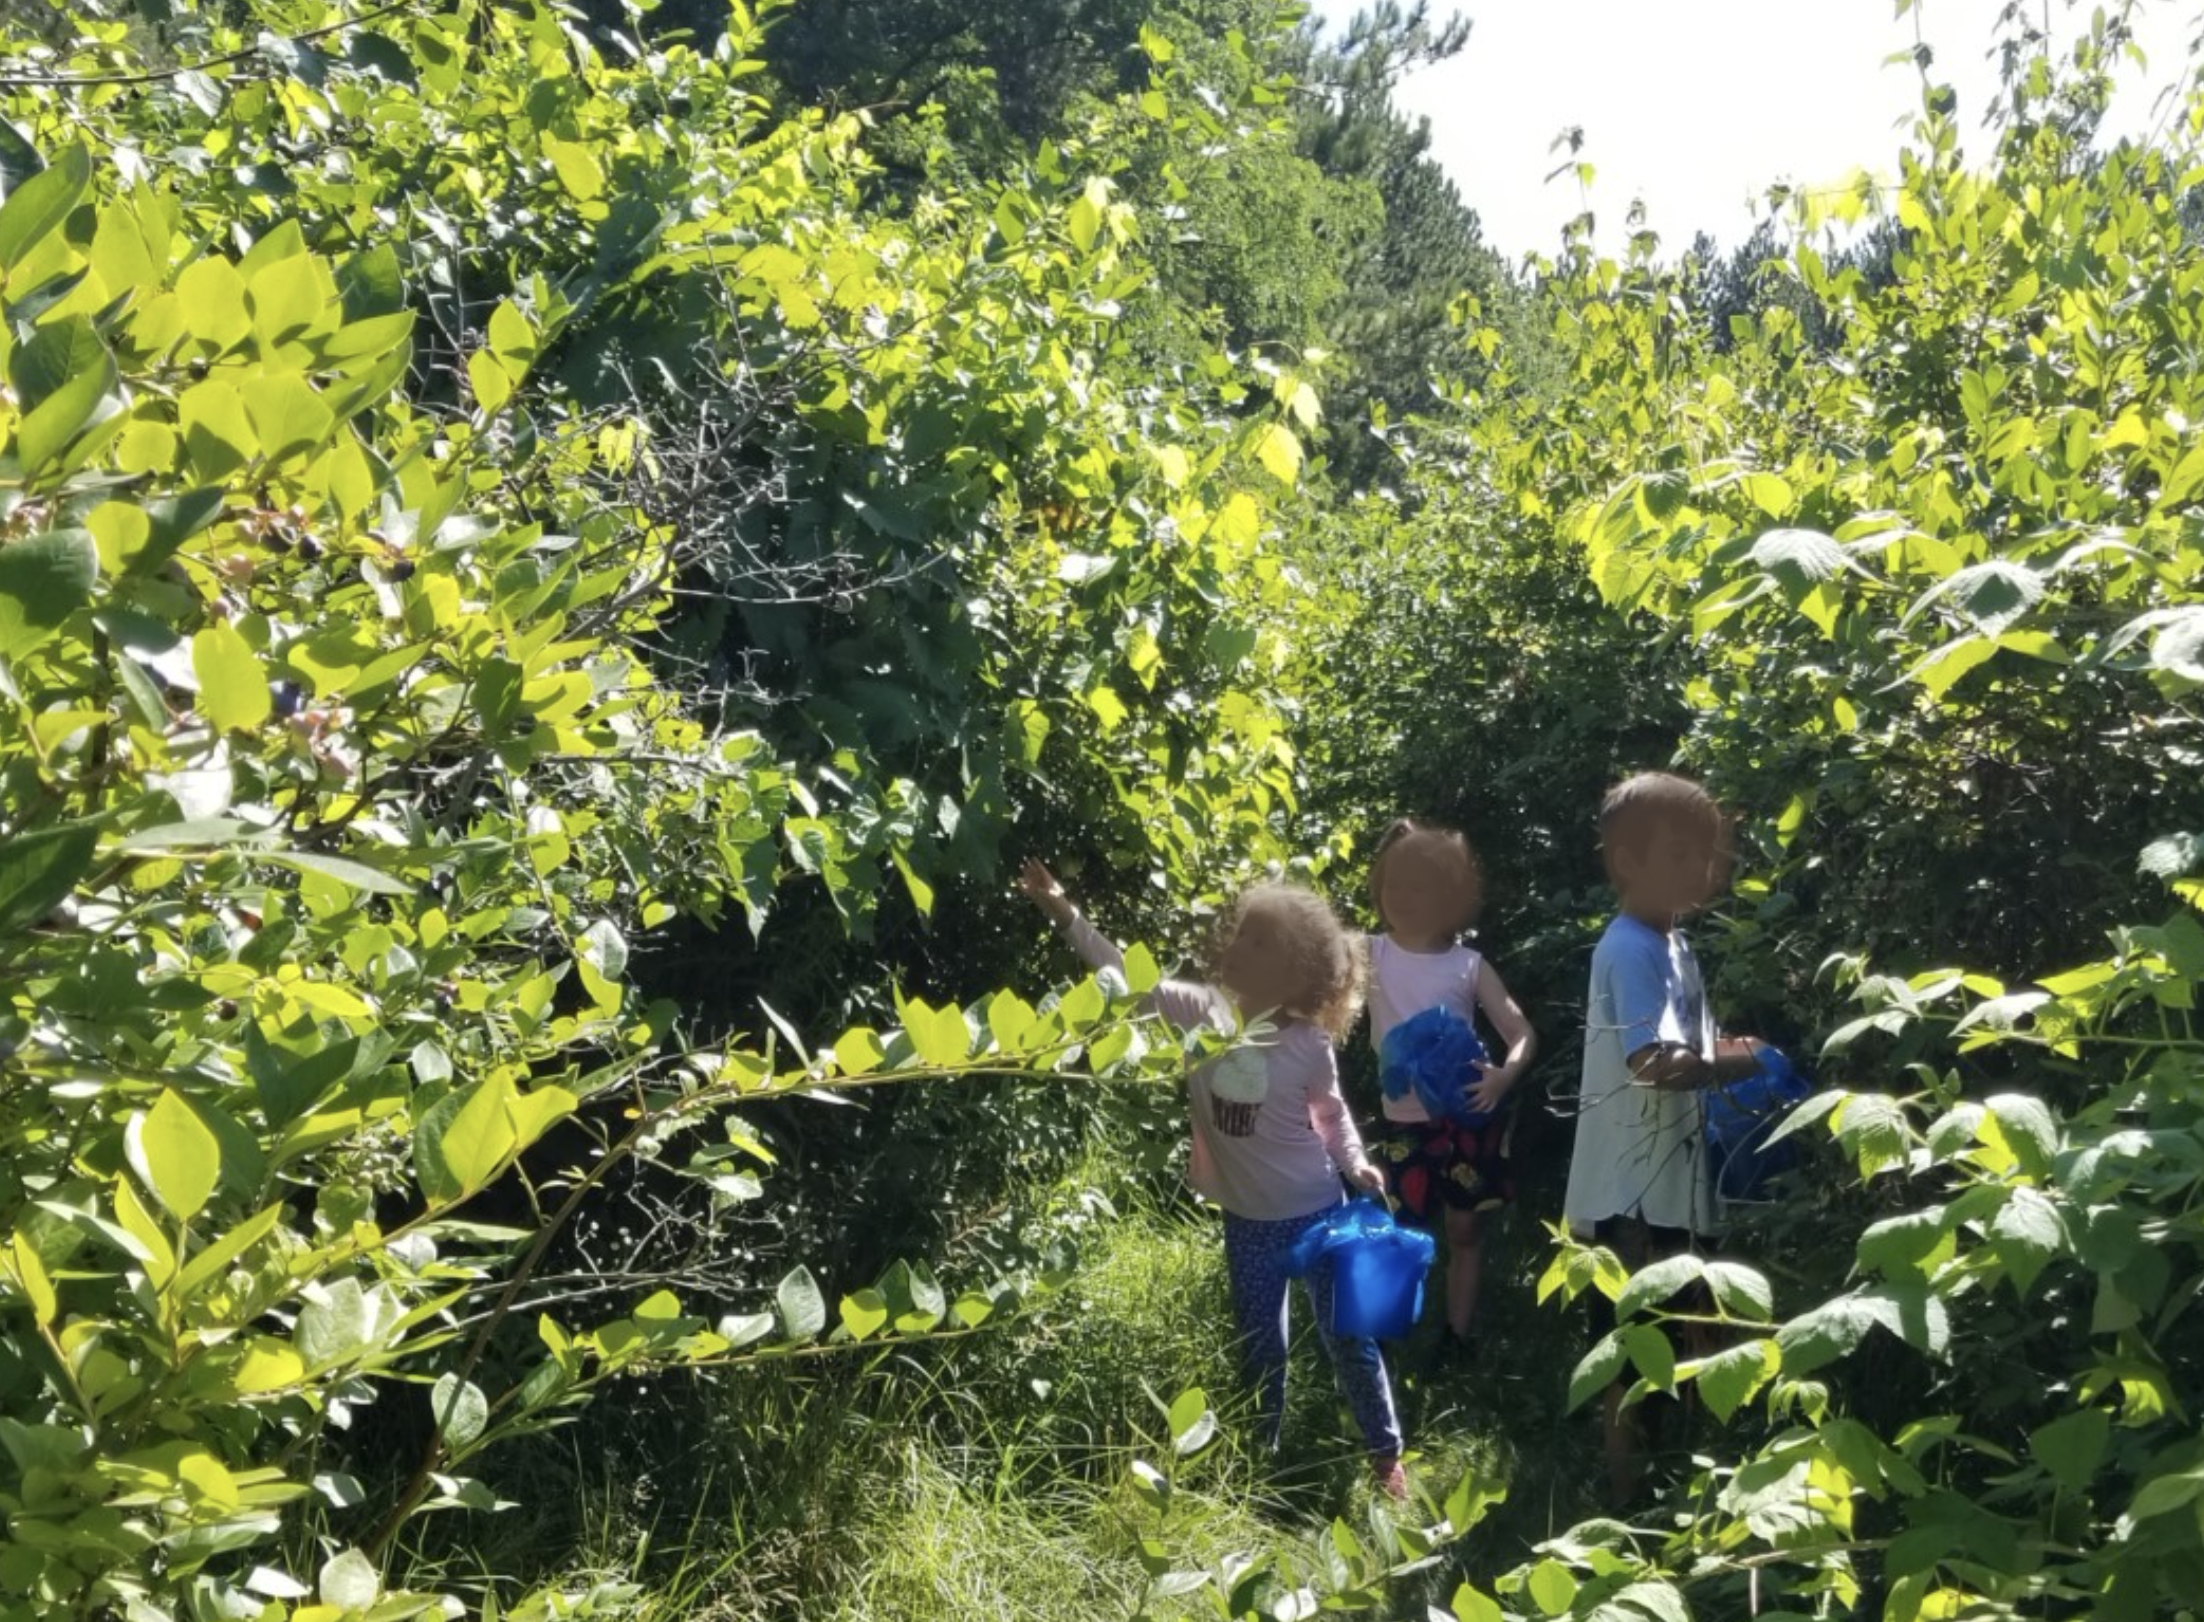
<point x="1258" y="967"/>
<point x="1420" y="892"/>
<point x="1675" y="865"/>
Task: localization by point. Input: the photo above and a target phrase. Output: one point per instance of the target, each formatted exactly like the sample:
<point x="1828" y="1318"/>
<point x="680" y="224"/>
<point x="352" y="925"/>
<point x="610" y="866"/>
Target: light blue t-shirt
<point x="1640" y="1151"/>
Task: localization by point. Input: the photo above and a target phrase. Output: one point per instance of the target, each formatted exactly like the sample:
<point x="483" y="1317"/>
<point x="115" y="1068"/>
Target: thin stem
<point x="72" y="81"/>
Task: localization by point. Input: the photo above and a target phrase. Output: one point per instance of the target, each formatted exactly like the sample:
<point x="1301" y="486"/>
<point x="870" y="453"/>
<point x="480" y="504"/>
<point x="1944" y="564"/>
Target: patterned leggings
<point x="1255" y="1262"/>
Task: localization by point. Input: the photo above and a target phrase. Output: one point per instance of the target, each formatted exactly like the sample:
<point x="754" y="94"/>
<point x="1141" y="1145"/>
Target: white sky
<point x="1697" y="106"/>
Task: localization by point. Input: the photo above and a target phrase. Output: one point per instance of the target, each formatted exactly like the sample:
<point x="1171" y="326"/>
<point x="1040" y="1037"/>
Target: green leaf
<point x="491" y="383"/>
<point x="1141" y="974"/>
<point x="1799" y="558"/>
<point x="211" y="295"/>
<point x="175" y="1155"/>
<point x="1740" y="1291"/>
<point x="2072" y="1446"/>
<point x="1897" y="1246"/>
<point x="1108" y="708"/>
<point x="1728" y="1379"/>
<point x="1280" y="452"/>
<point x="922" y="893"/>
<point x="803" y="1308"/>
<point x="2185" y="479"/>
<point x="1084" y="219"/>
<point x="1993" y="595"/>
<point x="1651" y="1355"/>
<point x="2026" y="1233"/>
<point x="1770" y="492"/>
<point x="1597" y="1370"/>
<point x="858" y="1052"/>
<point x="288" y="297"/>
<point x="47" y="431"/>
<point x="462" y="1141"/>
<point x="57" y="352"/>
<point x="1474" y="1605"/>
<point x="43" y="580"/>
<point x="36" y="208"/>
<point x="2029" y="1129"/>
<point x="37" y="869"/>
<point x="287" y="413"/>
<point x="216" y="431"/>
<point x="349" y="1582"/>
<point x="1942" y="670"/>
<point x="462" y="1412"/>
<point x="940" y="1037"/>
<point x="351" y="874"/>
<point x="512" y="336"/>
<point x="1552" y="1587"/>
<point x="1655" y="1284"/>
<point x="233" y="683"/>
<point x="2161" y="1495"/>
<point x="1474" y="1497"/>
<point x="371" y="283"/>
<point x="577" y="169"/>
<point x="210" y="1262"/>
<point x="1010" y="1020"/>
<point x="1657" y="1602"/>
<point x="1828" y="1332"/>
<point x="864" y="1313"/>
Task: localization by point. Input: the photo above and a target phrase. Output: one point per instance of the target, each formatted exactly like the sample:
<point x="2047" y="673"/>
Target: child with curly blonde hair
<point x="1272" y="1136"/>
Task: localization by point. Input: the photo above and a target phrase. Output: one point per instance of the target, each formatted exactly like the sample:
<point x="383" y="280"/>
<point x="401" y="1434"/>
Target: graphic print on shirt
<point x="1238" y="1084"/>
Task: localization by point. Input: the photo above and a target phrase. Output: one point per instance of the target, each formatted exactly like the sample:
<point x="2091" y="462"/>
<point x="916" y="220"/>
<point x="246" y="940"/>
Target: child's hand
<point x="1367" y="1178"/>
<point x="1038" y="885"/>
<point x="1492" y="1086"/>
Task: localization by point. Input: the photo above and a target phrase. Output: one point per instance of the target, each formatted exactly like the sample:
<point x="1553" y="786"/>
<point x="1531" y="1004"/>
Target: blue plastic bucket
<point x="1377" y="1265"/>
<point x="1742" y="1116"/>
<point x="1377" y="1282"/>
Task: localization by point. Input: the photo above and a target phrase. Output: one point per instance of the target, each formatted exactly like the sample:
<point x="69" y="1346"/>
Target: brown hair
<point x="1328" y="956"/>
<point x="1638" y="805"/>
<point x="1407" y="834"/>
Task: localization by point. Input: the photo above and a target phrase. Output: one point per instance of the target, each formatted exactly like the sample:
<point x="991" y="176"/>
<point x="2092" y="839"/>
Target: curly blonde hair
<point x="1329" y="956"/>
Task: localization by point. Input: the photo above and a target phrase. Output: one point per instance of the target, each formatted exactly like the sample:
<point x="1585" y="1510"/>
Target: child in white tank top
<point x="1426" y="887"/>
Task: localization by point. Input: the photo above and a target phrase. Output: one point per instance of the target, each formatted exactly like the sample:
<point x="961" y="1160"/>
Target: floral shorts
<point x="1443" y="1165"/>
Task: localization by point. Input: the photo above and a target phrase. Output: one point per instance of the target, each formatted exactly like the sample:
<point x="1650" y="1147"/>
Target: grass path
<point x="993" y="1478"/>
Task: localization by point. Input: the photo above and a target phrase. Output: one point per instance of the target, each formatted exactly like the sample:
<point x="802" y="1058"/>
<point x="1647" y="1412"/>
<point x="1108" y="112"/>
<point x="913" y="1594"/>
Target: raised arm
<point x="1184" y="1004"/>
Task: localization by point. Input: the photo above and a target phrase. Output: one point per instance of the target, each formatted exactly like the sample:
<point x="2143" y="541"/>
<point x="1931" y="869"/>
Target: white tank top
<point x="1403" y="984"/>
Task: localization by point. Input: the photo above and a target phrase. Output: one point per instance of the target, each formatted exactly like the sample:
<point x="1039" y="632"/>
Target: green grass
<point x="990" y="1478"/>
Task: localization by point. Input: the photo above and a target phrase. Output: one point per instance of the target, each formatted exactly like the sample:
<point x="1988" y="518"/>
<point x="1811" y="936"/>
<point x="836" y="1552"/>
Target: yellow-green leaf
<point x="1280" y="452"/>
<point x="577" y="169"/>
<point x="233" y="683"/>
<point x="493" y="386"/>
<point x="172" y="1150"/>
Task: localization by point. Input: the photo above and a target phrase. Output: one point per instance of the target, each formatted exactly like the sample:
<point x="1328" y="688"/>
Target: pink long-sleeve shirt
<point x="1302" y="1138"/>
